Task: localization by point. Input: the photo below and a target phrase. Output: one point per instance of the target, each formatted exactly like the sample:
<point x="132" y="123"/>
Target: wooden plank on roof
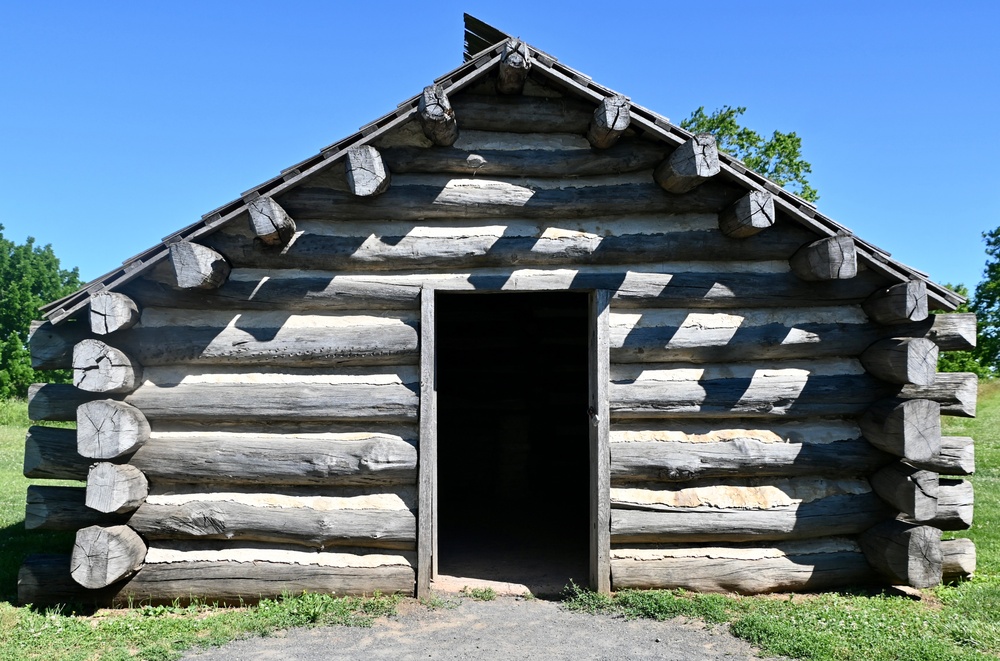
<point x="479" y="36"/>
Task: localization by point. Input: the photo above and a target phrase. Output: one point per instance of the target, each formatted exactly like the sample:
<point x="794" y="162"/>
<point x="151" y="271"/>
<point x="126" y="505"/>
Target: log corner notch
<point x="898" y="304"/>
<point x="98" y="367"/>
<point x="609" y="122"/>
<point x="367" y="175"/>
<point x="909" y="428"/>
<point x="106" y="429"/>
<point x="197" y="267"/>
<point x="102" y="556"/>
<point x="515" y="63"/>
<point x="831" y="258"/>
<point x="904" y="553"/>
<point x="902" y="360"/>
<point x="690" y="165"/>
<point x="912" y="491"/>
<point x="269" y="222"/>
<point x="437" y="117"/>
<point x="112" y="311"/>
<point x="747" y="216"/>
<point x="115" y="488"/>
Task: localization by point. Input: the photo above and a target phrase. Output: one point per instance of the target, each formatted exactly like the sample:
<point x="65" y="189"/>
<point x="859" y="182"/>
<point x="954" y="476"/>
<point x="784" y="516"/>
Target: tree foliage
<point x="30" y="276"/>
<point x="778" y="158"/>
<point x="986" y="305"/>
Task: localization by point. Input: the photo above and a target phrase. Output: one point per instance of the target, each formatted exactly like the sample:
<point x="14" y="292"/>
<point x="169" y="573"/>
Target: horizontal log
<point x="832" y="258"/>
<point x="108" y="429"/>
<point x="311" y="526"/>
<point x="910" y="360"/>
<point x="269" y="223"/>
<point x="898" y="304"/>
<point x="375" y="459"/>
<point x="99" y="367"/>
<point x="958" y="559"/>
<point x="44" y="579"/>
<point x="608" y="122"/>
<point x="957" y="457"/>
<point x="786" y="509"/>
<point x="904" y="553"/>
<point x="791" y="388"/>
<point x="366" y="173"/>
<point x="437" y="117"/>
<point x="955" y="505"/>
<point x="115" y="488"/>
<point x="57" y="402"/>
<point x="196" y="266"/>
<point x="515" y="63"/>
<point x="910" y="429"/>
<point x="950" y="331"/>
<point x="50" y="453"/>
<point x="471" y="244"/>
<point x="522" y="115"/>
<point x="112" y="311"/>
<point x="624" y="156"/>
<point x="956" y="392"/>
<point x="51" y="347"/>
<point x="63" y="508"/>
<point x="787" y="567"/>
<point x="690" y="165"/>
<point x="912" y="491"/>
<point x="102" y="556"/>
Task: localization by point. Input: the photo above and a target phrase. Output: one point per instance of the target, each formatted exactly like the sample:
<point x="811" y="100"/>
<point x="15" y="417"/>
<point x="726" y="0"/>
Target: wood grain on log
<point x="366" y="173"/>
<point x="51" y="347"/>
<point x="102" y="556"/>
<point x="196" y="266"/>
<point x="906" y="428"/>
<point x="957" y="393"/>
<point x="958" y="559"/>
<point x="437" y="117"/>
<point x="690" y="165"/>
<point x="832" y="258"/>
<point x="269" y="222"/>
<point x="115" y="488"/>
<point x="536" y="115"/>
<point x="112" y="311"/>
<point x="749" y="215"/>
<point x="912" y="491"/>
<point x="786" y="567"/>
<point x="957" y="457"/>
<point x="50" y="453"/>
<point x="56" y="402"/>
<point x="44" y="579"/>
<point x="63" y="508"/>
<point x="609" y="121"/>
<point x="898" y="304"/>
<point x="954" y="331"/>
<point x="313" y="526"/>
<point x="377" y="459"/>
<point x="515" y="63"/>
<point x="904" y="553"/>
<point x="98" y="367"/>
<point x="955" y="505"/>
<point x="107" y="429"/>
<point x="902" y="360"/>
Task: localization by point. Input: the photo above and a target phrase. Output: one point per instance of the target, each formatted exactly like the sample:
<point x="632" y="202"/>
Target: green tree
<point x="986" y="305"/>
<point x="778" y="158"/>
<point x="30" y="276"/>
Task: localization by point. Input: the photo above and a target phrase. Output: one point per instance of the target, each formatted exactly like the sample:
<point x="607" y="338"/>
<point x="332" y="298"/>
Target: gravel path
<point x="507" y="628"/>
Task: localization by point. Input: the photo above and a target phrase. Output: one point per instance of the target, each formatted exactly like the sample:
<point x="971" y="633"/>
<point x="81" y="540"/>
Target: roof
<point x="484" y="46"/>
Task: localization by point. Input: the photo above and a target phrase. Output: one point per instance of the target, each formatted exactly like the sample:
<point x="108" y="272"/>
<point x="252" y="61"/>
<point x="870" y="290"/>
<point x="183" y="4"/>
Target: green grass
<point x="480" y="594"/>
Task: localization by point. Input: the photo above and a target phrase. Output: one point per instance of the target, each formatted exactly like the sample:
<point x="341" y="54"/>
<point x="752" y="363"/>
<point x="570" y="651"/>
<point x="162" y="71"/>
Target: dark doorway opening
<point x="513" y="438"/>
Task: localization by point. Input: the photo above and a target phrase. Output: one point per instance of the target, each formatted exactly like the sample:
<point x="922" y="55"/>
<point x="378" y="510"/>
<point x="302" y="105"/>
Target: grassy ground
<point x="950" y="622"/>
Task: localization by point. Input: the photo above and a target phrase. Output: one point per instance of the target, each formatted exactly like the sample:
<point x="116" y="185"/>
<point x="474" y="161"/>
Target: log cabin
<point x="518" y="319"/>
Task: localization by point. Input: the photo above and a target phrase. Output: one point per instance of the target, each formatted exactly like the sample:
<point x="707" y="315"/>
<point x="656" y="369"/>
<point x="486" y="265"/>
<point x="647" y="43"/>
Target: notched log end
<point x="98" y="367"/>
<point x="515" y="63"/>
<point x="197" y="267"/>
<point x="831" y="258"/>
<point x="898" y="304"/>
<point x="610" y="120"/>
<point x="752" y="213"/>
<point x="366" y="172"/>
<point x="269" y="222"/>
<point x="690" y="165"/>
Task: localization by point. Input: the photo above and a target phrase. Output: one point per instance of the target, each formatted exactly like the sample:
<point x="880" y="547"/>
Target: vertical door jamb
<point x="600" y="452"/>
<point x="427" y="538"/>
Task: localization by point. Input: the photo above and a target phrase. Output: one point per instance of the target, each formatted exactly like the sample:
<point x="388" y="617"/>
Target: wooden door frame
<point x="600" y="453"/>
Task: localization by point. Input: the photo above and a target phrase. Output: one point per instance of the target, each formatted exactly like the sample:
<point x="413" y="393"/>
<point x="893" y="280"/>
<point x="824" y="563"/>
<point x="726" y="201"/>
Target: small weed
<point x="480" y="594"/>
<point x="436" y="601"/>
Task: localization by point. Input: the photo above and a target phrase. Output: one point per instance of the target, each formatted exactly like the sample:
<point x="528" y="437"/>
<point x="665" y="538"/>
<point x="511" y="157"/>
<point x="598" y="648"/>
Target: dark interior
<point x="513" y="437"/>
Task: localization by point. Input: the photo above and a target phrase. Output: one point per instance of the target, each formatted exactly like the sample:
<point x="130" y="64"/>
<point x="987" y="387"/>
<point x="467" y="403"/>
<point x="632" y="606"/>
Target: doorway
<point x="513" y="437"/>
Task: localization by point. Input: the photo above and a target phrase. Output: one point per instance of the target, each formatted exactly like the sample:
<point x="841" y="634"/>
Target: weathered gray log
<point x="51" y="347"/>
<point x="904" y="553"/>
<point x="115" y="488"/>
<point x="366" y="173"/>
<point x="609" y="121"/>
<point x="44" y="580"/>
<point x="522" y="114"/>
<point x="107" y="429"/>
<point x="832" y="258"/>
<point x="957" y="457"/>
<point x="800" y="567"/>
<point x="305" y="526"/>
<point x="197" y="267"/>
<point x="112" y="311"/>
<point x="957" y="393"/>
<point x="277" y="401"/>
<point x="98" y="367"/>
<point x="437" y="117"/>
<point x="668" y="461"/>
<point x="515" y="63"/>
<point x="902" y="360"/>
<point x="690" y="165"/>
<point x="955" y="505"/>
<point x="63" y="508"/>
<point x="906" y="428"/>
<point x="269" y="222"/>
<point x="747" y="216"/>
<point x="56" y="401"/>
<point x="912" y="491"/>
<point x="958" y="559"/>
<point x="954" y="331"/>
<point x="50" y="453"/>
<point x="898" y="304"/>
<point x="845" y="514"/>
<point x="379" y="459"/>
<point x="102" y="556"/>
<point x="624" y="156"/>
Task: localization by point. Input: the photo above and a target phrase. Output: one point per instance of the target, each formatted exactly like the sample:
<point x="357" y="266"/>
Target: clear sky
<point x="121" y="122"/>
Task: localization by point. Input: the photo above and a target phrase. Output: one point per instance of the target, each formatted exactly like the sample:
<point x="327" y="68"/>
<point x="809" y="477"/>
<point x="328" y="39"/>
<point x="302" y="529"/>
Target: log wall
<point x="268" y="377"/>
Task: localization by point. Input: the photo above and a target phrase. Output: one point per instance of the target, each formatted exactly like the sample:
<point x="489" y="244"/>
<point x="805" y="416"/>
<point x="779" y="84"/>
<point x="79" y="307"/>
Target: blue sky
<point x="121" y="122"/>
